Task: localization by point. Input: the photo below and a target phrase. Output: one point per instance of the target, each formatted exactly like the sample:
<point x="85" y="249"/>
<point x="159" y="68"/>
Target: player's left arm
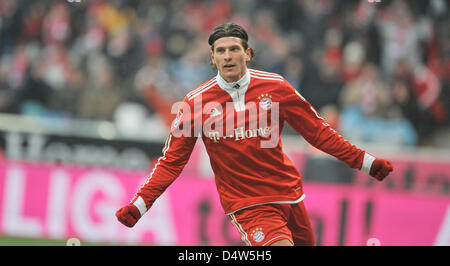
<point x="303" y="118"/>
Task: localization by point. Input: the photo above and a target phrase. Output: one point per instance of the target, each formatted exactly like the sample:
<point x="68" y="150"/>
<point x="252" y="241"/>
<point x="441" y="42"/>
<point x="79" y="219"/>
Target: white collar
<point x="243" y="82"/>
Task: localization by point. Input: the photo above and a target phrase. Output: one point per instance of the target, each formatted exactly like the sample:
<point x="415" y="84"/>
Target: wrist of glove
<point x="128" y="215"/>
<point x="380" y="169"/>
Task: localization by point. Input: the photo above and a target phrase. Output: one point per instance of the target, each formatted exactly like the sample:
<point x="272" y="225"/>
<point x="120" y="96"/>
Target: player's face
<point x="230" y="58"/>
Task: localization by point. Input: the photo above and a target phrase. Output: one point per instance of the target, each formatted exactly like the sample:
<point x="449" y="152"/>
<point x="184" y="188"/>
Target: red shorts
<point x="263" y="225"/>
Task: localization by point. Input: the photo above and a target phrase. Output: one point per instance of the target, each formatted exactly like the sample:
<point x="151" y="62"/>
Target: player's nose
<point x="227" y="55"/>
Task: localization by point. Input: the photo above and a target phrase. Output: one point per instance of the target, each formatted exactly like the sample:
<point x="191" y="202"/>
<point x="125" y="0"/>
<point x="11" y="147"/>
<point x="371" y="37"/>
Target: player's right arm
<point x="175" y="155"/>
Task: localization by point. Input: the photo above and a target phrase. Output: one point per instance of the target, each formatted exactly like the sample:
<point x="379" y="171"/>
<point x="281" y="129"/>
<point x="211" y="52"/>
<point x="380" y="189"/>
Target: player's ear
<point x="248" y="54"/>
<point x="211" y="56"/>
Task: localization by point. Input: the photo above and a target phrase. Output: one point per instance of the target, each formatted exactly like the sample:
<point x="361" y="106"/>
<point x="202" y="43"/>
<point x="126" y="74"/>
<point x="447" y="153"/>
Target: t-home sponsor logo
<point x="240" y="134"/>
<point x="218" y="121"/>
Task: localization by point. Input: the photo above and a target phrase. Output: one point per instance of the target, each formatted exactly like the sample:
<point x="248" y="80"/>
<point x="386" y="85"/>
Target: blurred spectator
<point x="353" y="61"/>
<point x="368" y="92"/>
<point x="401" y="36"/>
<point x="152" y="84"/>
<point x="367" y="113"/>
<point x="56" y="24"/>
<point x="417" y="93"/>
<point x="100" y="98"/>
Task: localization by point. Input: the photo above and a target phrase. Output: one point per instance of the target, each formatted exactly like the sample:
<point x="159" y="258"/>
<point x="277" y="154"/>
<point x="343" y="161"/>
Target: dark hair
<point x="229" y="29"/>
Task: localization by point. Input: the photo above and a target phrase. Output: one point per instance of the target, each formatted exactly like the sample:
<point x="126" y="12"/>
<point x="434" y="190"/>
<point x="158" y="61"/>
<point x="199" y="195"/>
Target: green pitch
<point x="19" y="241"/>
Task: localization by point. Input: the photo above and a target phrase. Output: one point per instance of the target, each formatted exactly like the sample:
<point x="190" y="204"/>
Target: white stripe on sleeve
<point x="140" y="204"/>
<point x="367" y="163"/>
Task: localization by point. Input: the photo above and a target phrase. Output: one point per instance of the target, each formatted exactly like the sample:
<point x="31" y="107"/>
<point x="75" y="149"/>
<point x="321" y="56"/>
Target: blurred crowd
<point x="377" y="71"/>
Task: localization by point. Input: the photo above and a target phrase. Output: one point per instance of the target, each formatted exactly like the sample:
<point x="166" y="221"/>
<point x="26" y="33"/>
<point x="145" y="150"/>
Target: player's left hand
<point x="380" y="169"/>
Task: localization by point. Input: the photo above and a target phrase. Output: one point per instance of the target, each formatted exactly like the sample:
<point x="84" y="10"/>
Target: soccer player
<point x="239" y="114"/>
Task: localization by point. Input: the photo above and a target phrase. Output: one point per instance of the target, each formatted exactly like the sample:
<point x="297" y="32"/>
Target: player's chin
<point x="230" y="73"/>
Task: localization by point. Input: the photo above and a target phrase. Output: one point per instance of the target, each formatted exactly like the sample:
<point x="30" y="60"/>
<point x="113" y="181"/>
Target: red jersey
<point x="240" y="124"/>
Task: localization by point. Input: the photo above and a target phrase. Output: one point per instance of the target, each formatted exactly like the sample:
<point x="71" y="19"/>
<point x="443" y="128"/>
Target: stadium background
<point x="86" y="89"/>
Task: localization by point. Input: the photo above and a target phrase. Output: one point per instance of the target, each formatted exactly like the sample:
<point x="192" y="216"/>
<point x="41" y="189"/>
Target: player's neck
<point x="241" y="81"/>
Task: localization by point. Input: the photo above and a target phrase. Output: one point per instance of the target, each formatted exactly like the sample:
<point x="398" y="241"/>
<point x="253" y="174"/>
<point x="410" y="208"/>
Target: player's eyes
<point x="222" y="50"/>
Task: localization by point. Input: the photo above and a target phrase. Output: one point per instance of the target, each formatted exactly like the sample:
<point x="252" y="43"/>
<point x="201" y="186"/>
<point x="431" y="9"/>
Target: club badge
<point x="265" y="101"/>
<point x="258" y="235"/>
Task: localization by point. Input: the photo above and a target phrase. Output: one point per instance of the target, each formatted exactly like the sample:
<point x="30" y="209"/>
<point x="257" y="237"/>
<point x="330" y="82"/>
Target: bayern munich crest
<point x="258" y="235"/>
<point x="265" y="101"/>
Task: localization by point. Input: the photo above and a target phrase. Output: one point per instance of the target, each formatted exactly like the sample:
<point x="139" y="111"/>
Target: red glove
<point x="380" y="169"/>
<point x="128" y="215"/>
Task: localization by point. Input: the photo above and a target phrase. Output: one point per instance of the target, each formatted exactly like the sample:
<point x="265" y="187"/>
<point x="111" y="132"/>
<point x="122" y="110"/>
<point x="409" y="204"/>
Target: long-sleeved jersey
<point x="240" y="124"/>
